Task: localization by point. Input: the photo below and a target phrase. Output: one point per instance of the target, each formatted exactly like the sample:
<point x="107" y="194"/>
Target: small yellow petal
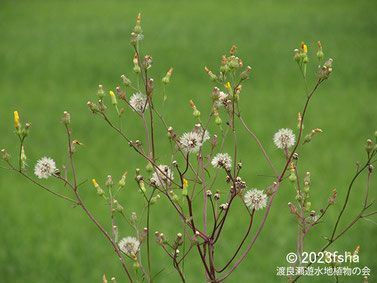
<point x="112" y="93"/>
<point x="185" y="183"/>
<point x="95" y="183"/>
<point x="305" y="48"/>
<point x="227" y="85"/>
<point x="16" y="119"/>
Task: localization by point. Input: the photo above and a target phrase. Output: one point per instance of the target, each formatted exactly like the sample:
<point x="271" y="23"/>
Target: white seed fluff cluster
<point x="191" y="142"/>
<point x="222" y="160"/>
<point x="162" y="176"/>
<point x="44" y="168"/>
<point x="255" y="199"/>
<point x="138" y="101"/>
<point x="222" y="98"/>
<point x="129" y="245"/>
<point x="284" y="138"/>
<point x="206" y="135"/>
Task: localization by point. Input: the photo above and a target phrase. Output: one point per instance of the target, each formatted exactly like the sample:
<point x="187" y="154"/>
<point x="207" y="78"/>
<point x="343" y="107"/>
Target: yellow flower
<point x="305" y="49"/>
<point x="185" y="183"/>
<point x="95" y="183"/>
<point x="227" y="85"/>
<point x="112" y="93"/>
<point x="16" y="119"/>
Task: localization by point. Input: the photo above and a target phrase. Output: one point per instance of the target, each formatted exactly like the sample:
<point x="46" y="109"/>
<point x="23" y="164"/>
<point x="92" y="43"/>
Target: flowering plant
<point x="196" y="171"/>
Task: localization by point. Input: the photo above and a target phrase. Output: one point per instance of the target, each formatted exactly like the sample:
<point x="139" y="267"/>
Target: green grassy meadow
<point x="53" y="55"/>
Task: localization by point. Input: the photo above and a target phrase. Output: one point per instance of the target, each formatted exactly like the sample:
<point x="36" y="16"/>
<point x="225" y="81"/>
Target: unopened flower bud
<point x="143" y="235"/>
<point x="368" y="146"/>
<point x="100" y="192"/>
<point x="23" y="157"/>
<point x="100" y="92"/>
<point x="125" y="80"/>
<point x="245" y="74"/>
<point x="113" y="98"/>
<point x="297" y="56"/>
<point x="293" y="208"/>
<point x="142" y="186"/>
<point x="195" y="111"/>
<point x="158" y="238"/>
<point x="174" y="197"/>
<point x="137" y="28"/>
<point x="184" y="187"/>
<point x="66" y="118"/>
<point x="308" y="205"/>
<point x="133" y="218"/>
<point x="166" y="79"/>
<point x="118" y="207"/>
<point x="93" y="107"/>
<point x="211" y="75"/>
<point x="154" y="199"/>
<point x="122" y="181"/>
<point x="109" y="182"/>
<point x="319" y="52"/>
<point x="331" y="200"/>
<point x="5" y="155"/>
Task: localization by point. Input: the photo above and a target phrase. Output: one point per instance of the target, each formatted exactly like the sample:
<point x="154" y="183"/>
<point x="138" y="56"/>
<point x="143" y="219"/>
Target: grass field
<point x="53" y="54"/>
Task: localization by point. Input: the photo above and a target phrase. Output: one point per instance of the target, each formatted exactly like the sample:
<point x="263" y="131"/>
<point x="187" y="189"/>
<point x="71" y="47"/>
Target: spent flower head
<point x="138" y="101"/>
<point x="44" y="168"/>
<point x="191" y="142"/>
<point x="129" y="245"/>
<point x="163" y="176"/>
<point x="255" y="199"/>
<point x="222" y="160"/>
<point x="284" y="138"/>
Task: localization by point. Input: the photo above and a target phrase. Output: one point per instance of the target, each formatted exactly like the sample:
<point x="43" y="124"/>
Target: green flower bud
<point x="154" y="199"/>
<point x="100" y="192"/>
<point x="196" y="113"/>
<point x="369" y="146"/>
<point x="118" y="207"/>
<point x="66" y="119"/>
<point x="26" y="130"/>
<point x="136" y="265"/>
<point x="122" y="181"/>
<point x="308" y="205"/>
<point x="126" y="81"/>
<point x="6" y="156"/>
<point x="297" y="56"/>
<point x="308" y="138"/>
<point x="292" y="178"/>
<point x="93" y="107"/>
<point x="109" y="182"/>
<point x="100" y="92"/>
<point x="133" y="218"/>
<point x="245" y="74"/>
<point x="113" y="98"/>
<point x="136" y="69"/>
<point x="306" y="189"/>
<point x="218" y="120"/>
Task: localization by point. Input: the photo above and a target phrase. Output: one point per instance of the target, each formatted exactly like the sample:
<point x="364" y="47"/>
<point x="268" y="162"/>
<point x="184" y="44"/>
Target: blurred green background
<point x="53" y="54"/>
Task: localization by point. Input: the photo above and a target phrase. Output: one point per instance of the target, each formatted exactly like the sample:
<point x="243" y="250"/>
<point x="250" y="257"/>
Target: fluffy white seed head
<point x="255" y="199"/>
<point x="165" y="177"/>
<point x="191" y="142"/>
<point x="129" y="245"/>
<point x="44" y="168"/>
<point x="222" y="160"/>
<point x="284" y="138"/>
<point x="138" y="101"/>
